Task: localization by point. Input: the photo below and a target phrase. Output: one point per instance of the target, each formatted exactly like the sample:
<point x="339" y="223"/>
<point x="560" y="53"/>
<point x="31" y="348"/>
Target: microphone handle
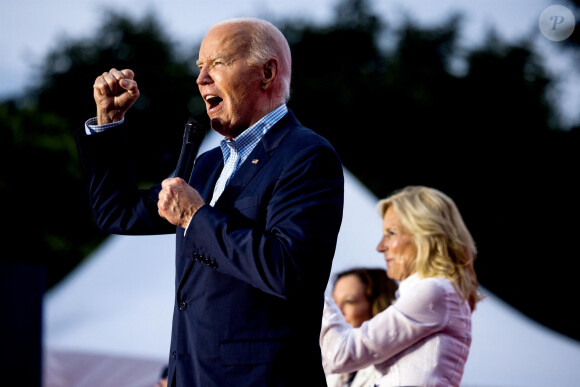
<point x="185" y="163"/>
<point x="193" y="136"/>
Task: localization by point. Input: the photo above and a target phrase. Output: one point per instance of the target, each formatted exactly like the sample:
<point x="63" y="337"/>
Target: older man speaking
<point x="256" y="224"/>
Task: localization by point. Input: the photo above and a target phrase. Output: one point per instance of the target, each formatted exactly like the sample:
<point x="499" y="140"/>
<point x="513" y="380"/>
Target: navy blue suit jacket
<point x="250" y="271"/>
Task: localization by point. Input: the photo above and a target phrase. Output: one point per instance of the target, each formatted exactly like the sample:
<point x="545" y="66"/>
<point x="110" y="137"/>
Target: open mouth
<point x="213" y="101"/>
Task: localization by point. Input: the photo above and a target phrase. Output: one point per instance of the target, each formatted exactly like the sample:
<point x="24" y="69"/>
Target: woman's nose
<point x="381" y="245"/>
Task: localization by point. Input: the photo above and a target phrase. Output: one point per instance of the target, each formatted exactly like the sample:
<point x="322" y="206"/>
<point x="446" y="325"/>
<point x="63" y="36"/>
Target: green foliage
<point x="41" y="183"/>
<point x="45" y="212"/>
<point x="166" y="82"/>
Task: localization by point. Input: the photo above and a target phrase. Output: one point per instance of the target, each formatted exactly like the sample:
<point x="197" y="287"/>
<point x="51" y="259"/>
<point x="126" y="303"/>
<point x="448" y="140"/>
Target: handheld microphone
<point x="192" y="138"/>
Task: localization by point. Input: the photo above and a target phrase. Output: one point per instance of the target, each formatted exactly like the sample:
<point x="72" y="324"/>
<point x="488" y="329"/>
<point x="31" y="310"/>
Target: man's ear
<point x="270" y="72"/>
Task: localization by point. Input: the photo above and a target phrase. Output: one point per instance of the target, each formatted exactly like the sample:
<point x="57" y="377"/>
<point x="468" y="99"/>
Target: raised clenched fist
<point x="114" y="92"/>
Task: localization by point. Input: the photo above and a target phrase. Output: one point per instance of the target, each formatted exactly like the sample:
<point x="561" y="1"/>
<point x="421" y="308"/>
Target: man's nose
<point x="203" y="78"/>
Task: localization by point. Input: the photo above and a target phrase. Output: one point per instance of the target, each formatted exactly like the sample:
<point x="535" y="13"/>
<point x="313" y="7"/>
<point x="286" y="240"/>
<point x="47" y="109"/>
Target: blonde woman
<point x="422" y="339"/>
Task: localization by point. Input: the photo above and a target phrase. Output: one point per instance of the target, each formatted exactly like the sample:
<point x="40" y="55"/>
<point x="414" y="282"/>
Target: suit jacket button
<point x="183" y="305"/>
<point x="174" y="355"/>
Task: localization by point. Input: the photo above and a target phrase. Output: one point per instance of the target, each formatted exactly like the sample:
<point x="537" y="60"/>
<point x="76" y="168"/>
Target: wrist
<point x="105" y="118"/>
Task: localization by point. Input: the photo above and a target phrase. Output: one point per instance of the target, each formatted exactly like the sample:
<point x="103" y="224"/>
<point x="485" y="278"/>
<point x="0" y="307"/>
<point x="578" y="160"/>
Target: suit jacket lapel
<point x="244" y="175"/>
<point x="257" y="159"/>
<point x="213" y="163"/>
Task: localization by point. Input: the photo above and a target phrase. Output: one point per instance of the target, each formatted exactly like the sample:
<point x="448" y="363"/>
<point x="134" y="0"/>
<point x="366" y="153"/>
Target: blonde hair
<point x="265" y="42"/>
<point x="445" y="247"/>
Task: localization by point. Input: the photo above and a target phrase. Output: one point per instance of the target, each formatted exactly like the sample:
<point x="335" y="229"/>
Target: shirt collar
<point x="248" y="139"/>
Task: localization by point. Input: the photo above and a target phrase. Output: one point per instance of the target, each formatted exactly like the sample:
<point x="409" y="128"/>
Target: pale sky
<point x="31" y="28"/>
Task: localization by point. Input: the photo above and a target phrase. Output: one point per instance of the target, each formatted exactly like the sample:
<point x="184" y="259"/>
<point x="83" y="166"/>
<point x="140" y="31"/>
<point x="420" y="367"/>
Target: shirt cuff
<point x="92" y="126"/>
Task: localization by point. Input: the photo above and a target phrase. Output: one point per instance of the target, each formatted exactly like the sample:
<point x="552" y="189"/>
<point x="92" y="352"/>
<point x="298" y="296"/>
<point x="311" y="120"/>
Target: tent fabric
<point x="109" y="322"/>
<point x="77" y="368"/>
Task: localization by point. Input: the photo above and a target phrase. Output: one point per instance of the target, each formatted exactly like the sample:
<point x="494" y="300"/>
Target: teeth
<point x="208" y="97"/>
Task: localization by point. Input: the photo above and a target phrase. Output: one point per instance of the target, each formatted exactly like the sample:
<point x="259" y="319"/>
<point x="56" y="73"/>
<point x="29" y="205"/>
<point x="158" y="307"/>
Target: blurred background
<point x="466" y="97"/>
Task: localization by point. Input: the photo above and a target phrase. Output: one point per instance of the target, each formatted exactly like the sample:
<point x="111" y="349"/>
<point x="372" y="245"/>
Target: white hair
<point x="267" y="42"/>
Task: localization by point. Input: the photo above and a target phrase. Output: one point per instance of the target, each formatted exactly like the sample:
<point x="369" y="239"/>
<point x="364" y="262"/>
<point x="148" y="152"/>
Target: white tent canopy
<point x="109" y="322"/>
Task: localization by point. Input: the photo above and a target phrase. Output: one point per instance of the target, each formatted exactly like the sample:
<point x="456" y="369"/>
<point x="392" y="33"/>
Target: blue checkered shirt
<point x="237" y="150"/>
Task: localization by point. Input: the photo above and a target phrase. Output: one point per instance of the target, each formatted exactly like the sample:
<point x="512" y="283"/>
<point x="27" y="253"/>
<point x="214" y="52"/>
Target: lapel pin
<point x="255" y="161"/>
